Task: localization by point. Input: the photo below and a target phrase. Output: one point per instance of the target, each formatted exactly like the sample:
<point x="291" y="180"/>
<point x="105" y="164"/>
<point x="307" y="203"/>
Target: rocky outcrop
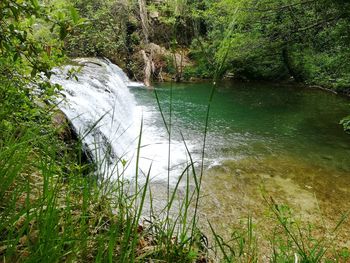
<point x="161" y="64"/>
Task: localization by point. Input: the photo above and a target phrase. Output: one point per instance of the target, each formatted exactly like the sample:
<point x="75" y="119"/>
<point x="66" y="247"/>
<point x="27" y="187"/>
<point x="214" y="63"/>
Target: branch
<point x="318" y="24"/>
<point x="279" y="8"/>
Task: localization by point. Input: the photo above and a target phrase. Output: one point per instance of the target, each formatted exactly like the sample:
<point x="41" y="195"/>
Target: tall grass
<point x="52" y="212"/>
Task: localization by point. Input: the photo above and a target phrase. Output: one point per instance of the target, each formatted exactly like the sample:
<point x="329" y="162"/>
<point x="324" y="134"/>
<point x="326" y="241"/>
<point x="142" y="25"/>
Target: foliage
<point x="30" y="44"/>
<point x="271" y="40"/>
<point x="307" y="40"/>
<point x="346" y="123"/>
<point x="242" y="246"/>
<point x="50" y="212"/>
<point x="109" y="30"/>
<point x="175" y="22"/>
<point x="30" y="37"/>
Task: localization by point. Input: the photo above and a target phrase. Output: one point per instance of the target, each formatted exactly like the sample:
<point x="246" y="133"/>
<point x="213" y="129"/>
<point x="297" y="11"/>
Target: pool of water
<point x="256" y="120"/>
<point x="284" y="139"/>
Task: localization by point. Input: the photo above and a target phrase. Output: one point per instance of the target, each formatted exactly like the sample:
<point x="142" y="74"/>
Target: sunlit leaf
<point x="74" y="14"/>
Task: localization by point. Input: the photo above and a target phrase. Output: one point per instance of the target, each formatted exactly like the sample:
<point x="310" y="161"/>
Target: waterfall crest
<point x="102" y="110"/>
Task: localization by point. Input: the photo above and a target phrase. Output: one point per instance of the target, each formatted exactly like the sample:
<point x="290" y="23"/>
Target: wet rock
<point x="67" y="133"/>
<point x="151" y="63"/>
<point x="62" y="125"/>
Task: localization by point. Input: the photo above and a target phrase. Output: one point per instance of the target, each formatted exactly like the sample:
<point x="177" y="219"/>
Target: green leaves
<point x="32" y="35"/>
<point x="74" y="15"/>
<point x="346" y="123"/>
<point x="35" y="4"/>
<point x="15" y="56"/>
<point x="101" y="31"/>
<point x="63" y="31"/>
<point x="31" y="43"/>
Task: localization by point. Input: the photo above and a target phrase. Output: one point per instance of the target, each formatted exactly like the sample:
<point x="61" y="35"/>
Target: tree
<point x="108" y="31"/>
<point x="30" y="44"/>
<point x="307" y="40"/>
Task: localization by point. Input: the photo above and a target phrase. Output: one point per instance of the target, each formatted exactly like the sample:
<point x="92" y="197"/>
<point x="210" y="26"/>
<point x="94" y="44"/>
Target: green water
<point x="283" y="139"/>
<point x="258" y="120"/>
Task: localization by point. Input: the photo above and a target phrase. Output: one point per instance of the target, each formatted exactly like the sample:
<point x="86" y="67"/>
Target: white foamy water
<point x="107" y="118"/>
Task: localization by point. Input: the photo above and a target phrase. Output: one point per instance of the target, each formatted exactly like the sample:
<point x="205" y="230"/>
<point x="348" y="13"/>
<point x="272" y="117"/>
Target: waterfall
<point x="97" y="100"/>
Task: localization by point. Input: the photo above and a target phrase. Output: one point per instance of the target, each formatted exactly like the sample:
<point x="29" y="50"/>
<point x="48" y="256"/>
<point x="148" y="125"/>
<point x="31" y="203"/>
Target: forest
<point x="58" y="205"/>
<point x="265" y="40"/>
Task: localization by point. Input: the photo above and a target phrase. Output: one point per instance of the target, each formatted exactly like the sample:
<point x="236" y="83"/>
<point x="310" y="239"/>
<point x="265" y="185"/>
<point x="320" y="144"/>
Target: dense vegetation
<point x="307" y="41"/>
<point x="51" y="212"/>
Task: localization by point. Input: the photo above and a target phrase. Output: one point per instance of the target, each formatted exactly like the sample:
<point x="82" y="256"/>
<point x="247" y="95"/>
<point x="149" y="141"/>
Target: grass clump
<point x="50" y="214"/>
<point x="289" y="239"/>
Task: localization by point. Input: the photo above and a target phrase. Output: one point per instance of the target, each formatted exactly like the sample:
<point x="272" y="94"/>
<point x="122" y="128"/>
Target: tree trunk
<point x="146" y="30"/>
<point x="147" y="69"/>
<point x="130" y="28"/>
<point x="288" y="62"/>
<point x="144" y="19"/>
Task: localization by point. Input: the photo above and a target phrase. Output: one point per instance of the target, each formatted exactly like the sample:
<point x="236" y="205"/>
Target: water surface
<point x="257" y="120"/>
<point x="281" y="138"/>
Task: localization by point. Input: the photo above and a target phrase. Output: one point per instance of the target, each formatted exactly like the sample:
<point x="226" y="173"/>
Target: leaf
<point x="74" y="15"/>
<point x="11" y="27"/>
<point x="82" y="21"/>
<point x="15" y="12"/>
<point x="33" y="73"/>
<point x="63" y="32"/>
<point x="15" y="57"/>
<point x="35" y="4"/>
